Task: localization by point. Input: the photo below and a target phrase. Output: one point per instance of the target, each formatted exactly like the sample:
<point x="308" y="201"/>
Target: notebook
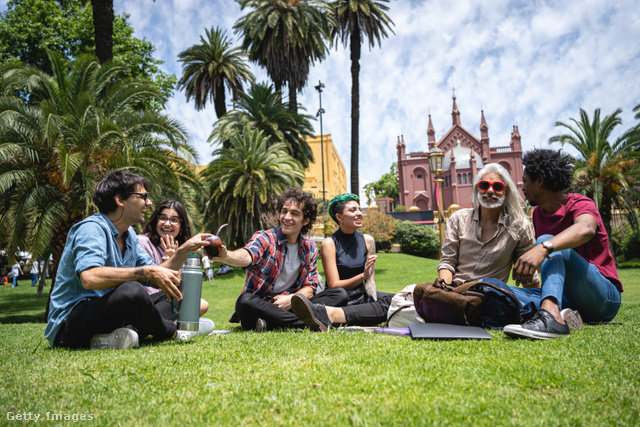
<point x="392" y="331"/>
<point x="444" y="331"/>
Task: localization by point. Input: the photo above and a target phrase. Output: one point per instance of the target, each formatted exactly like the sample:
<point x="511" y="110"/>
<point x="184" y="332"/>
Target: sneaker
<point x="572" y="318"/>
<point x="542" y="326"/>
<point x="120" y="339"/>
<point x="313" y="315"/>
<point x="261" y="325"/>
<point x="205" y="326"/>
<point x="183" y="335"/>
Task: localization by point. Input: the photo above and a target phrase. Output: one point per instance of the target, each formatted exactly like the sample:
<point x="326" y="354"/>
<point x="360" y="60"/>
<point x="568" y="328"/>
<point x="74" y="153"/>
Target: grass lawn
<point x="305" y="378"/>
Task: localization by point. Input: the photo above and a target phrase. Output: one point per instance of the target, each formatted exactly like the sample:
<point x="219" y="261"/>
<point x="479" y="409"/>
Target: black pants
<point x="162" y="303"/>
<point x="127" y="305"/>
<point x="370" y="313"/>
<point x="250" y="307"/>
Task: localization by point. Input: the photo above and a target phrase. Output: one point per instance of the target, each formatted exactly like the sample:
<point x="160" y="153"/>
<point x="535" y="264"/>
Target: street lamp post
<point x="436" y="160"/>
<point x="319" y="88"/>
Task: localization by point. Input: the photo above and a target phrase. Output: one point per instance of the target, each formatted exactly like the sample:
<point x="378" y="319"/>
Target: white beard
<point x="491" y="202"/>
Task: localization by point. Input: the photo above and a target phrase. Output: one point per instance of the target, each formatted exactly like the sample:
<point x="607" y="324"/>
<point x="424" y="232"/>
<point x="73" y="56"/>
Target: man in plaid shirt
<point x="280" y="263"/>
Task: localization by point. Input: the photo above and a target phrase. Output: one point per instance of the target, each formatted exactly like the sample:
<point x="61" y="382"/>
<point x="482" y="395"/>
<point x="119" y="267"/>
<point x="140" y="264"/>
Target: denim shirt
<point x="90" y="243"/>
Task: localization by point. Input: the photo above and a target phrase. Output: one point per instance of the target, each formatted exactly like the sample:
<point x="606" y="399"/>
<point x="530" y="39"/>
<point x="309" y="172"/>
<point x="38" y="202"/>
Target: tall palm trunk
<point x="355" y="106"/>
<point x="103" y="29"/>
<point x="58" y="242"/>
<point x="293" y="97"/>
<point x="220" y="100"/>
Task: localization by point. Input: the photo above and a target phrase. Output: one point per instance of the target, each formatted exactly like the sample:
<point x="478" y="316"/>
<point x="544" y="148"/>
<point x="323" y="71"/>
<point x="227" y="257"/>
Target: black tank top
<point x="351" y="256"/>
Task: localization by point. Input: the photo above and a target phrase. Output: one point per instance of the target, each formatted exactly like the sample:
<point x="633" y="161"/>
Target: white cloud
<point x="530" y="63"/>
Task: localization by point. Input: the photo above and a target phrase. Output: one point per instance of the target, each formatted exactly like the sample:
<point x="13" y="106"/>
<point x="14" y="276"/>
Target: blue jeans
<point x="572" y="282"/>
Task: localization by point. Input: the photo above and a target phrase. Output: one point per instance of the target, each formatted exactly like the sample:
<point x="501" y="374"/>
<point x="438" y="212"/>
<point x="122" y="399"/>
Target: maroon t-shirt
<point x="596" y="251"/>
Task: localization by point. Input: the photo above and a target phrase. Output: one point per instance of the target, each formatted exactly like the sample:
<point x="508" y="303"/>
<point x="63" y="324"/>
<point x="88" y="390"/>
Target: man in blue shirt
<point x="98" y="300"/>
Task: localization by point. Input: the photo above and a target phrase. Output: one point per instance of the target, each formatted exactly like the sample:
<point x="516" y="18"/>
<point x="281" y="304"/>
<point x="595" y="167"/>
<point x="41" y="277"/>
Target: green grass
<point x="286" y="378"/>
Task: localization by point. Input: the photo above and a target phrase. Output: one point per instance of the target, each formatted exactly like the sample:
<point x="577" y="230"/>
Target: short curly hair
<point x="556" y="169"/>
<point x="305" y="200"/>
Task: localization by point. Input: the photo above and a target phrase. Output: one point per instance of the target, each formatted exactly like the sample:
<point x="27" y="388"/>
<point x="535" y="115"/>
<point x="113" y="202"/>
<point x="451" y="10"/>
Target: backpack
<point x="488" y="303"/>
<point x="402" y="309"/>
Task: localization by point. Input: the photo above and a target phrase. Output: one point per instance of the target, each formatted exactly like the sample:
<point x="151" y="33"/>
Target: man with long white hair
<point x="485" y="241"/>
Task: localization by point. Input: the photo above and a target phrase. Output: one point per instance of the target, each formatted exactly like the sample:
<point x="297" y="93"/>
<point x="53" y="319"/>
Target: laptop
<point x="445" y="331"/>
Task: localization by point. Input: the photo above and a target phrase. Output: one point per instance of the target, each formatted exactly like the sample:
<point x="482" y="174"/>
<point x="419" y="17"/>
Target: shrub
<point x="381" y="227"/>
<point x="330" y="226"/>
<point x="632" y="263"/>
<point x="417" y="239"/>
<point x="625" y="242"/>
<point x="400" y="208"/>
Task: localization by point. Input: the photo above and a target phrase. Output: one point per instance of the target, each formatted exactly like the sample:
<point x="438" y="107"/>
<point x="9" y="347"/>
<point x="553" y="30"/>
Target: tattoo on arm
<point x="138" y="271"/>
<point x="370" y="284"/>
<point x="371" y="247"/>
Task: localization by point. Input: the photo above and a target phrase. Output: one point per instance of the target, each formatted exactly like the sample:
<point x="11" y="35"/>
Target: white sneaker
<point x="205" y="326"/>
<point x="119" y="339"/>
<point x="572" y="318"/>
<point x="184" y="335"/>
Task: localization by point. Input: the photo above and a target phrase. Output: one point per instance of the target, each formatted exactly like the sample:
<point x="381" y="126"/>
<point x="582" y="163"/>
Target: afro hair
<point x="555" y="168"/>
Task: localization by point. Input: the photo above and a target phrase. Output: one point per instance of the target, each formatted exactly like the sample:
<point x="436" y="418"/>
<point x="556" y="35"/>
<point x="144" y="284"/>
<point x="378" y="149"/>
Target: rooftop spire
<point x="455" y="113"/>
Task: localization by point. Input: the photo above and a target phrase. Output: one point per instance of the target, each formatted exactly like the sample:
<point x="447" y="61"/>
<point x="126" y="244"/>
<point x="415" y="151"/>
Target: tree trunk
<point x="43" y="276"/>
<point x="58" y="242"/>
<point x="103" y="29"/>
<point x="355" y="106"/>
<point x="220" y="100"/>
<point x="293" y="97"/>
<point x="278" y="87"/>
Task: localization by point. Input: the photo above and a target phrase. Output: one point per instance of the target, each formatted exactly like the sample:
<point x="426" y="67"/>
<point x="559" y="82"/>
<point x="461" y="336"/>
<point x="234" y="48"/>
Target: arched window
<point x="470" y="178"/>
<point x="420" y="180"/>
<point x="464" y="178"/>
<point x="459" y="179"/>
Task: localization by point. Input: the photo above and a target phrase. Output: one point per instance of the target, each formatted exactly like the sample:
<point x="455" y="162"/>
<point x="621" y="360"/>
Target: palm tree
<point x="260" y="108"/>
<point x="207" y="66"/>
<point x="286" y="37"/>
<point x="604" y="171"/>
<point x="244" y="180"/>
<point x="103" y="28"/>
<point x="79" y="125"/>
<point x="357" y="19"/>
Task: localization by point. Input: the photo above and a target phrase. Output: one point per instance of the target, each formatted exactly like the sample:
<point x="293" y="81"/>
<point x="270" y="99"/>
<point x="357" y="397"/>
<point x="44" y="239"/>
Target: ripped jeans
<point x="573" y="282"/>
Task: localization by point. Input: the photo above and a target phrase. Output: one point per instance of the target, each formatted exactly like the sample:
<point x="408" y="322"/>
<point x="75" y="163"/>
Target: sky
<point x="528" y="64"/>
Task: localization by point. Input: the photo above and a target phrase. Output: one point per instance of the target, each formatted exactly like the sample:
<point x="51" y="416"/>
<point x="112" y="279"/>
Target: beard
<point x="491" y="202"/>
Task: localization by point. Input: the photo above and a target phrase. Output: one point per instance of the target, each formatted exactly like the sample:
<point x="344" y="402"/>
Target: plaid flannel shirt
<point x="268" y="249"/>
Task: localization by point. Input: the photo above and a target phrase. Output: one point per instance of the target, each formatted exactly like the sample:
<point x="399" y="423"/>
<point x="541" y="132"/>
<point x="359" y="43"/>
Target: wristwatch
<point x="548" y="246"/>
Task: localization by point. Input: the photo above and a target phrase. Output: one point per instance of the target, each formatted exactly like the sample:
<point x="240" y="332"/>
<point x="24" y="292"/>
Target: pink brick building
<point x="465" y="154"/>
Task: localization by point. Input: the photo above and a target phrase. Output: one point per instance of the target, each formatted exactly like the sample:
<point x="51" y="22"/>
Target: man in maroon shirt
<point x="572" y="250"/>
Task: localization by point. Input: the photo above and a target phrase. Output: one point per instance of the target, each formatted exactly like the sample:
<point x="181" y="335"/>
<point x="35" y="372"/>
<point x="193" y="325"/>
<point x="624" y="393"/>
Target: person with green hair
<point x="348" y="259"/>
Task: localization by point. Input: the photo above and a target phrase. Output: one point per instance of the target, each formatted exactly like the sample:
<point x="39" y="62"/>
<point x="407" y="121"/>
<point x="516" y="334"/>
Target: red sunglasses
<point x="498" y="186"/>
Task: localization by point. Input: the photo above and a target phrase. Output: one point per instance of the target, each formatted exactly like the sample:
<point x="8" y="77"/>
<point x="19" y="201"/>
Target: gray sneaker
<point x="572" y="318"/>
<point x="261" y="325"/>
<point x="120" y="339"/>
<point x="542" y="326"/>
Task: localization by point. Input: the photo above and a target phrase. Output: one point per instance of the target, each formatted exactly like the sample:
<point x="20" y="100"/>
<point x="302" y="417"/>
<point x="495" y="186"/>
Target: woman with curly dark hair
<point x="167" y="229"/>
<point x="579" y="277"/>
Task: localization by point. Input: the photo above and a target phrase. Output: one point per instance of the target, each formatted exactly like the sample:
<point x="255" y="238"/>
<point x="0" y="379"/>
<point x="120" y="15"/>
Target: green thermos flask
<point x="191" y="288"/>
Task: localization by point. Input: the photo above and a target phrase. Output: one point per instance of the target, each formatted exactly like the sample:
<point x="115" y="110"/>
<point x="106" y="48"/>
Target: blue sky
<point x="526" y="63"/>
